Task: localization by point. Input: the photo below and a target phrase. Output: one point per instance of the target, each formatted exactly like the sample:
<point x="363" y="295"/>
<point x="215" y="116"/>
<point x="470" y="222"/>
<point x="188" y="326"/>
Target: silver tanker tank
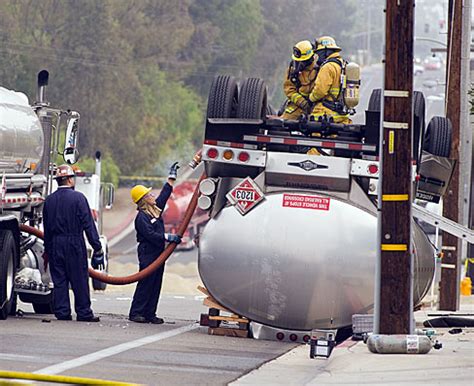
<point x="21" y="134"/>
<point x="300" y="269"/>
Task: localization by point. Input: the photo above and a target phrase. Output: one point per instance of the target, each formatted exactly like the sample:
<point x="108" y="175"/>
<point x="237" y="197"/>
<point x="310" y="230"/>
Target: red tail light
<point x="293" y="337"/>
<point x="212" y="153"/>
<point x="280" y="336"/>
<point x="373" y="169"/>
<point x="306" y="338"/>
<point x="244" y="156"/>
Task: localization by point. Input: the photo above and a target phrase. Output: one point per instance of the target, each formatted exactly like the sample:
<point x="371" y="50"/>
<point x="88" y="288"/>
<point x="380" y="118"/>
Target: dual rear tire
<point x="225" y="101"/>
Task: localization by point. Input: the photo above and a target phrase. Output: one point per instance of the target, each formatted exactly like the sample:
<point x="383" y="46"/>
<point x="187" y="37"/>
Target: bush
<point x="110" y="171"/>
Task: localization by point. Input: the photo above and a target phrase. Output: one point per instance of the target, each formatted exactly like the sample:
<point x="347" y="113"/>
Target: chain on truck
<point x="292" y="236"/>
<point x="29" y="140"/>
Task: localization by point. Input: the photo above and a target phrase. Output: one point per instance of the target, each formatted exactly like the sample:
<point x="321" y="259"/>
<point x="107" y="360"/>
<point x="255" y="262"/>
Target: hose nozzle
<point x="196" y="160"/>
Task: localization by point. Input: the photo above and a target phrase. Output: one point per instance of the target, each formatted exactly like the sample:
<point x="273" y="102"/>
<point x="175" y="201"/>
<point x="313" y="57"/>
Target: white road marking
<point x="16" y="357"/>
<point x="179" y="297"/>
<point x="123" y="298"/>
<point x="114" y="350"/>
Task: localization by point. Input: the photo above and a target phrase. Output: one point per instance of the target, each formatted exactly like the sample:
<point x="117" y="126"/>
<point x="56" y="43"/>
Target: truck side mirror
<point x="70" y="153"/>
<point x="110" y="195"/>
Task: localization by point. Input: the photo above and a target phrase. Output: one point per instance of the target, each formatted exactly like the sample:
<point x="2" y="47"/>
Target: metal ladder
<point x="447" y="225"/>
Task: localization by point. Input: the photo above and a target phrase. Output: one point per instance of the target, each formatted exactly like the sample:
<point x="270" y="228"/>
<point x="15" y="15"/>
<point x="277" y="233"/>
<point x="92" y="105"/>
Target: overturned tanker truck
<point x="292" y="236"/>
<point x="29" y="139"/>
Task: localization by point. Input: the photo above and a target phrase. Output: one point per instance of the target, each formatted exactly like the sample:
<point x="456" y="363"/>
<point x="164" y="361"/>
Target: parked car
<point x="432" y="63"/>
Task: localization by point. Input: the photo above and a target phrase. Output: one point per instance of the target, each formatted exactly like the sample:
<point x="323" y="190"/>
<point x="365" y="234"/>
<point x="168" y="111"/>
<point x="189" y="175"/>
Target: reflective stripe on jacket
<point x="296" y="94"/>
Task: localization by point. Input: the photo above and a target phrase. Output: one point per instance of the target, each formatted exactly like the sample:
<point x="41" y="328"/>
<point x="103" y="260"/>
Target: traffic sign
<point x="245" y="196"/>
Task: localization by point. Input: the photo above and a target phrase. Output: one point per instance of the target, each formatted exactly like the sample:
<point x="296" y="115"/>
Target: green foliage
<point x="110" y="172"/>
<point x="139" y="71"/>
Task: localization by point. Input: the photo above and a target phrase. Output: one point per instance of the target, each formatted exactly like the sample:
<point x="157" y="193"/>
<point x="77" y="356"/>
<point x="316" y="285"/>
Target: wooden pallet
<point x="224" y="325"/>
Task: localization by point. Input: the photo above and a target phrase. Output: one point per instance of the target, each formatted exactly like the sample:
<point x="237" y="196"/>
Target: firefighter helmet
<point x="138" y="192"/>
<point x="302" y="51"/>
<point x="327" y="42"/>
<point x="64" y="171"/>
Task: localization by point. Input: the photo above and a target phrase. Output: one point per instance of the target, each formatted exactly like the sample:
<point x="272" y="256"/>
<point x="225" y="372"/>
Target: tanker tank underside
<point x="298" y="268"/>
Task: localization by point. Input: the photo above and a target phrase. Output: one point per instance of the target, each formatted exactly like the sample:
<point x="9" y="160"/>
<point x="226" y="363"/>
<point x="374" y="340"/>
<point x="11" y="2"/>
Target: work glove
<point x="305" y="105"/>
<point x="173" y="171"/>
<point x="172" y="238"/>
<point x="97" y="261"/>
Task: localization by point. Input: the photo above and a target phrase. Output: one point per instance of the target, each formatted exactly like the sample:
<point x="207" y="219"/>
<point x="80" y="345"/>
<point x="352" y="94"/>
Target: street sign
<point x="245" y="196"/>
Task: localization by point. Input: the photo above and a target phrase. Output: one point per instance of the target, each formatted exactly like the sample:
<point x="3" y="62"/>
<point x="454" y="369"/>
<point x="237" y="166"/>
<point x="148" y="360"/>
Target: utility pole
<point x="393" y="295"/>
<point x="456" y="198"/>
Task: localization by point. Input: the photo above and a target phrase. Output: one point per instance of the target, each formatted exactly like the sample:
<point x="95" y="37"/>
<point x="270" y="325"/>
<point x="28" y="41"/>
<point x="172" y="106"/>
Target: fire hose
<point x="160" y="260"/>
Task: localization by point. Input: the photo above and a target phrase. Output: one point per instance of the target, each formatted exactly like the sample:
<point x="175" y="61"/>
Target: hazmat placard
<point x="306" y="202"/>
<point x="245" y="195"/>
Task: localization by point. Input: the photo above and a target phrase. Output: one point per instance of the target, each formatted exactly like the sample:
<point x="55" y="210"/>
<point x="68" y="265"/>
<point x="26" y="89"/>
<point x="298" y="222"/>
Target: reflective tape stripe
<point x="396" y="93"/>
<point x="448" y="266"/>
<point x="391" y="142"/>
<point x="395" y="197"/>
<point x="327" y="144"/>
<point x="394" y="247"/>
<point x="230" y="144"/>
<point x="395" y="125"/>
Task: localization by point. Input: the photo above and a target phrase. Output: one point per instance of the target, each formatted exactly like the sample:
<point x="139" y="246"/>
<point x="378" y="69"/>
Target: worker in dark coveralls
<point x="67" y="216"/>
<point x="151" y="239"/>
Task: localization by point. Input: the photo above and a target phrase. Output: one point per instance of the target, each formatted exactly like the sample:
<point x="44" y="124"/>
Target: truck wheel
<point x="418" y="123"/>
<point x="253" y="99"/>
<point x="375" y="101"/>
<point x="8" y="262"/>
<point x="44" y="308"/>
<point x="223" y="97"/>
<point x="437" y="139"/>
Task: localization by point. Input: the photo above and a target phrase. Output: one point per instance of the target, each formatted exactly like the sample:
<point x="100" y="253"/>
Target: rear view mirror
<point x="109" y="195"/>
<point x="70" y="153"/>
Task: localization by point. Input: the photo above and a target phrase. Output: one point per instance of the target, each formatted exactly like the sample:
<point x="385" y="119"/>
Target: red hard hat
<point x="64" y="171"/>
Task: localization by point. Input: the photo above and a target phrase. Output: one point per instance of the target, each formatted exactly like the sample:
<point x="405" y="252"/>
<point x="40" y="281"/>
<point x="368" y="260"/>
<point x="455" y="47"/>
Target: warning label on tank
<point x="305" y="202"/>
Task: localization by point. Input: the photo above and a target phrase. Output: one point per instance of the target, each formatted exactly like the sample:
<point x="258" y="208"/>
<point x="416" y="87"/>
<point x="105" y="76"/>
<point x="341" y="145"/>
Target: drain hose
<point x="160" y="260"/>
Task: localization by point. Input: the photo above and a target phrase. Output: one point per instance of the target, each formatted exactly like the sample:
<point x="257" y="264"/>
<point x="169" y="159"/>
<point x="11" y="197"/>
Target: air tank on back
<point x="21" y="134"/>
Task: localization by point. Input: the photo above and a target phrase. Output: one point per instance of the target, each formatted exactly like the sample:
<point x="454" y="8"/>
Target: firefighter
<point x="151" y="243"/>
<point x="67" y="216"/>
<point x="326" y="93"/>
<point x="299" y="81"/>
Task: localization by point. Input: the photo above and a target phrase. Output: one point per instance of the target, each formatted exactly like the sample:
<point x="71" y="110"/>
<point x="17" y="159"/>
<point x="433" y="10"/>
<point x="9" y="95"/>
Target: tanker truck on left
<point x="29" y="142"/>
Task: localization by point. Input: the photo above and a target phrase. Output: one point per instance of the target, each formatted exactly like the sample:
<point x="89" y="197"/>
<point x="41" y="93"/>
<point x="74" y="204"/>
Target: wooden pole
<point x="449" y="286"/>
<point x="396" y="303"/>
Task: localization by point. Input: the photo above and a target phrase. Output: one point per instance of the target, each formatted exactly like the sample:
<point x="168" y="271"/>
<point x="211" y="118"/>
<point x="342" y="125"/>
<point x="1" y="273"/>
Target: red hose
<point x="160" y="260"/>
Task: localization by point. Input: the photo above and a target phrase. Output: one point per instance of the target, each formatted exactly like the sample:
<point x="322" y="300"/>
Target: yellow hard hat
<point x="302" y="51"/>
<point x="327" y="42"/>
<point x="138" y="191"/>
